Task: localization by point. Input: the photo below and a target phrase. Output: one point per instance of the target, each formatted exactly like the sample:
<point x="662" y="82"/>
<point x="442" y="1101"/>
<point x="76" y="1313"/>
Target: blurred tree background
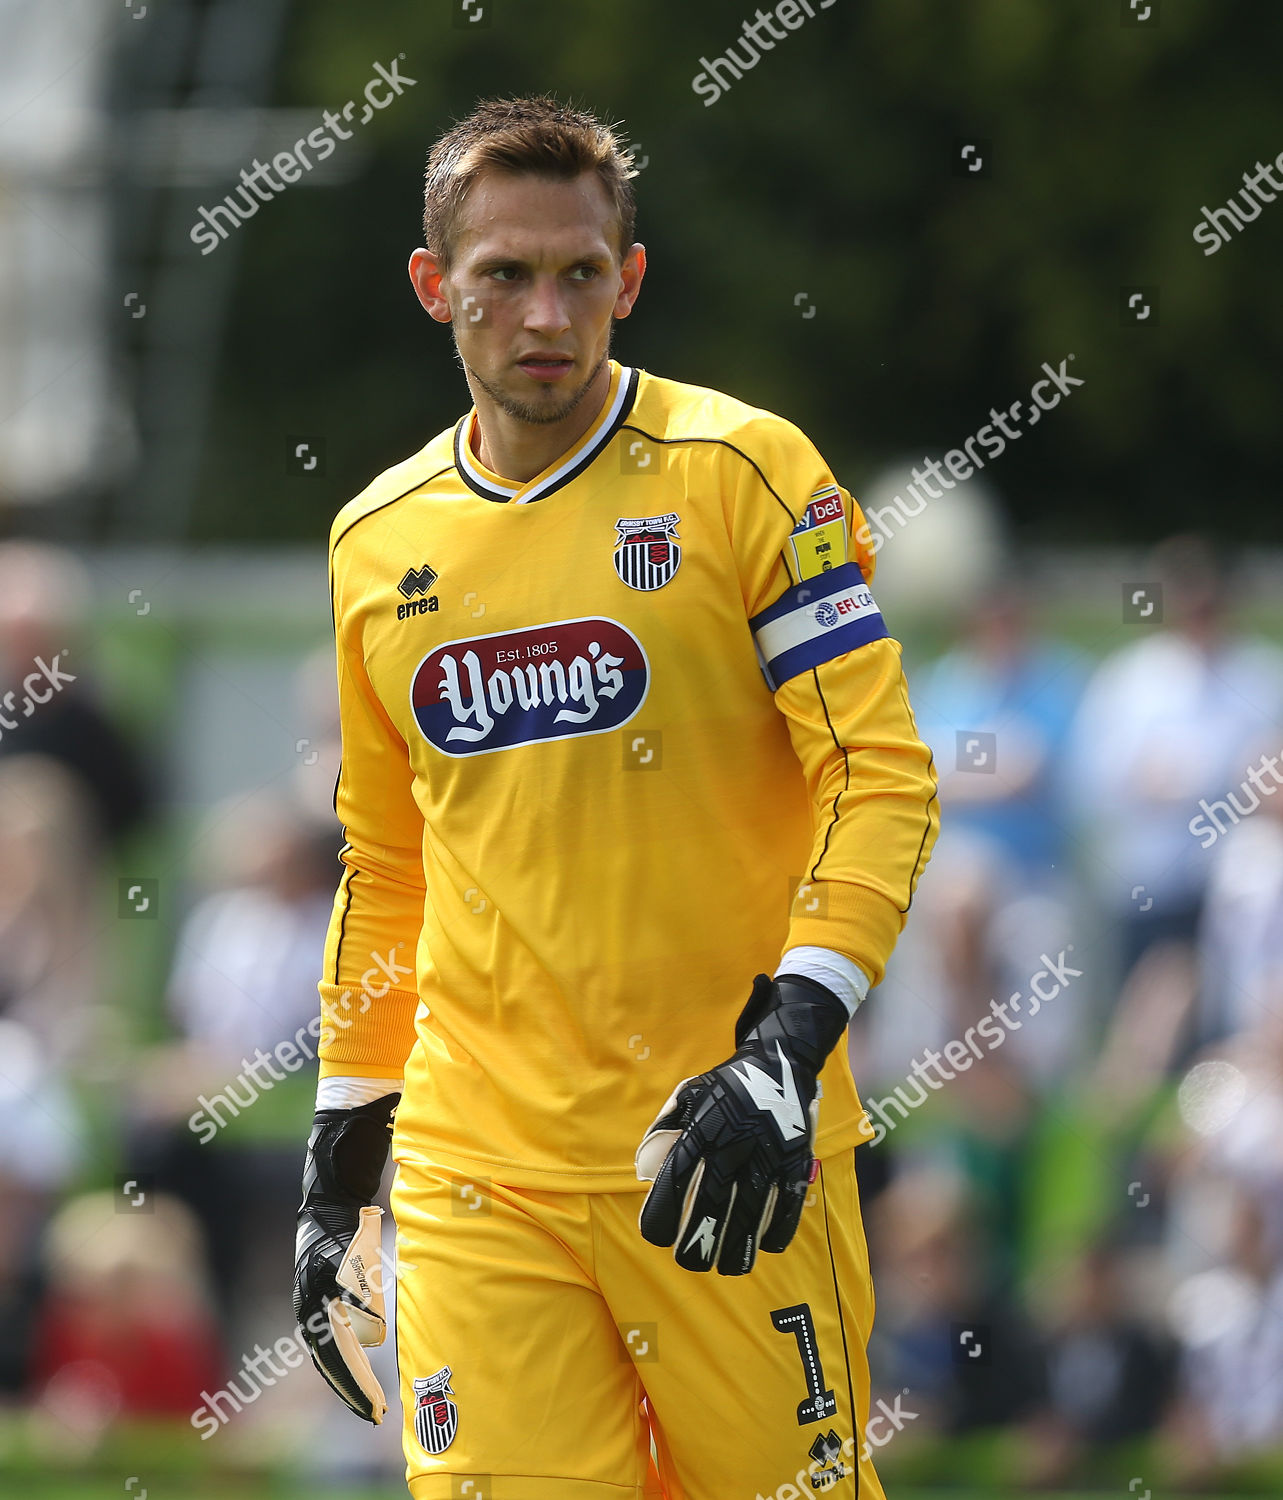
<point x="829" y="169"/>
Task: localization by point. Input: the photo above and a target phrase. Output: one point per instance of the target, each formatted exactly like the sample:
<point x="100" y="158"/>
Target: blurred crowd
<point x="150" y="1180"/>
<point x="1076" y="1235"/>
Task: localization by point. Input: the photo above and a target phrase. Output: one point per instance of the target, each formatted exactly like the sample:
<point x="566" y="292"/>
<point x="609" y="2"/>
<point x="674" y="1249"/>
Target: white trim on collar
<point x="579" y="459"/>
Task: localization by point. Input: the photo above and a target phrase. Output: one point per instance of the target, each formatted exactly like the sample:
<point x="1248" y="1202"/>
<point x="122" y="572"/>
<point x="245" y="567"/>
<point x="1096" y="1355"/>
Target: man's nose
<point x="547" y="309"/>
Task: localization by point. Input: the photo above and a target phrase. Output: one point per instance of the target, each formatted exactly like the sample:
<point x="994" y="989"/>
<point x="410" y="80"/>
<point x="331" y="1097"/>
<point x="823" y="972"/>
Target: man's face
<point x="534" y="285"/>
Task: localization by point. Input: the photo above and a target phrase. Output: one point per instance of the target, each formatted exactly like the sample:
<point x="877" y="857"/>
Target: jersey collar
<point x="620" y="396"/>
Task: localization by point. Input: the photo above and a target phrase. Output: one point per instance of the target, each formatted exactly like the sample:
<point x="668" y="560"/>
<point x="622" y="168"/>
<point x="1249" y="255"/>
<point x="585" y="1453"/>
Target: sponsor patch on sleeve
<point x="819" y="539"/>
<point x="815" y="621"/>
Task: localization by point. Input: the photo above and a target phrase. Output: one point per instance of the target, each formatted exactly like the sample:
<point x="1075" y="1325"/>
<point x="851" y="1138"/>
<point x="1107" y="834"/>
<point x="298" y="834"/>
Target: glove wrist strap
<point x="807" y="1018"/>
<point x="346" y="1152"/>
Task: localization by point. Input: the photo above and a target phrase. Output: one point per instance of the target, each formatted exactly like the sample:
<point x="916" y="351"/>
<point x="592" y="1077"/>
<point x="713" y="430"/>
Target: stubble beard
<point x="536" y="414"/>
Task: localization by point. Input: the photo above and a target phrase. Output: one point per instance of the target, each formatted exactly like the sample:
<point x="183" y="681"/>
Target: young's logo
<point x="545" y="682"/>
<point x="646" y="550"/>
<point x="436" y="1417"/>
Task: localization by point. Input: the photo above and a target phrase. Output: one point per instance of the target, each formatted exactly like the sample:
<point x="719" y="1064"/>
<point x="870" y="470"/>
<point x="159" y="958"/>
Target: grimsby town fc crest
<point x="646" y="552"/>
<point x="436" y="1417"/>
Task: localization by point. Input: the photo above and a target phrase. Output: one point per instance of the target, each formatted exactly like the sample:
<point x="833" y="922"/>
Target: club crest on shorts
<point x="646" y="550"/>
<point x="436" y="1417"/>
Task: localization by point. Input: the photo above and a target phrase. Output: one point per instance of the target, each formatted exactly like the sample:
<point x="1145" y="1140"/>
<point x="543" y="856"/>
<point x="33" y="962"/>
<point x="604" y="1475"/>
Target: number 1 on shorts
<point x="819" y="1403"/>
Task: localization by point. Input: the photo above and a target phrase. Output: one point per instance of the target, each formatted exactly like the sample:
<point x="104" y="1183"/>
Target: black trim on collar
<point x="625" y="398"/>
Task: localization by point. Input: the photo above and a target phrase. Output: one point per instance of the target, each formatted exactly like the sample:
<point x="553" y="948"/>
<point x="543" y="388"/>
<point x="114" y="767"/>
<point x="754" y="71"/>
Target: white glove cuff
<point x="835" y="971"/>
<point x="348" y="1093"/>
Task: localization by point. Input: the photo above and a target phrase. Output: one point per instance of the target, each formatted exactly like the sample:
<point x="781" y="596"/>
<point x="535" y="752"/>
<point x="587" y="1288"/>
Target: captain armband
<point x="814" y="621"/>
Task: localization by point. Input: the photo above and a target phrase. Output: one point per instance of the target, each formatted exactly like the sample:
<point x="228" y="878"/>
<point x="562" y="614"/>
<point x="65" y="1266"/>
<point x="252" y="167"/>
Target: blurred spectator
<point x="1003" y="680"/>
<point x="44" y="596"/>
<point x="125" y="1328"/>
<point x="1220" y="1192"/>
<point x="50" y="939"/>
<point x="1163" y="724"/>
<point x="248" y="957"/>
<point x="215" y="1125"/>
<point x="1147" y="1034"/>
<point x="50" y="964"/>
<point x="316" y="708"/>
<point x="956" y="1339"/>
<point x="1241" y="937"/>
<point x="1230" y="1105"/>
<point x="43" y="1144"/>
<point x="1111" y="1376"/>
<point x="1229" y="1320"/>
<point x="990" y="1137"/>
<point x="995" y="709"/>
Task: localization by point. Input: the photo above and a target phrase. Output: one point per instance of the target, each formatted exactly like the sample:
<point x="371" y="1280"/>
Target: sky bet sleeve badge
<point x="436" y="1417"/>
<point x="819" y="538"/>
<point x="646" y="551"/>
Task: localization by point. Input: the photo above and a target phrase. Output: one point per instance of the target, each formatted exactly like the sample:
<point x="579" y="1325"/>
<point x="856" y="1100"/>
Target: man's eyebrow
<point x="492" y="260"/>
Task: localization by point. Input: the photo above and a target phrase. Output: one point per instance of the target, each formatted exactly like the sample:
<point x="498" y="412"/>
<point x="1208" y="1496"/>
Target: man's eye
<point x="589" y="272"/>
<point x="502" y="273"/>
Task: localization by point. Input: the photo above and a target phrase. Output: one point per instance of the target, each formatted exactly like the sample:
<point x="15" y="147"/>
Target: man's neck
<point x="517" y="450"/>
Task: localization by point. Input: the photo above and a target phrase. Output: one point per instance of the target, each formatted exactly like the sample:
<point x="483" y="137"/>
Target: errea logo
<point x="417" y="581"/>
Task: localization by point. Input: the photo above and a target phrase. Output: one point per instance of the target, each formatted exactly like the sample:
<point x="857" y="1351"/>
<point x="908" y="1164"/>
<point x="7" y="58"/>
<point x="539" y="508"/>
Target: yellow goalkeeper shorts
<point x="548" y="1352"/>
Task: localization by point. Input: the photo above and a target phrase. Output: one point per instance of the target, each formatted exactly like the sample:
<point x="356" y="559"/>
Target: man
<point x="621" y="724"/>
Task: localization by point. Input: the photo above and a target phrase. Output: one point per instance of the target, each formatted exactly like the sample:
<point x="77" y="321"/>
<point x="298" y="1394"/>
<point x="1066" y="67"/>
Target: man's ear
<point x="426" y="273"/>
<point x="630" y="273"/>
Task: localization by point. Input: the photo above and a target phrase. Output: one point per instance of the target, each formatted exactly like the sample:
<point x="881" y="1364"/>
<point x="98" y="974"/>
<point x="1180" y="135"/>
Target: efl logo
<point x="546" y="682"/>
<point x="848" y="606"/>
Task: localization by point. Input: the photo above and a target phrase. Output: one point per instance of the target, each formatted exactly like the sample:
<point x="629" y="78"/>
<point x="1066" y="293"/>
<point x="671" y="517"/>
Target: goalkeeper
<point x="634" y="808"/>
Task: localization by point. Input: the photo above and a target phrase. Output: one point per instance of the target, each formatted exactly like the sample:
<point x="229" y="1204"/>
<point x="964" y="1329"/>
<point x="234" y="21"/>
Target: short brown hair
<point x="537" y="135"/>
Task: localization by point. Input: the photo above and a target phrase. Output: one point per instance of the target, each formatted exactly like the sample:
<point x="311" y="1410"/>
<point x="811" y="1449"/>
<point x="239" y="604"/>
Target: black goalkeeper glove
<point x="338" y="1283"/>
<point x="730" y="1155"/>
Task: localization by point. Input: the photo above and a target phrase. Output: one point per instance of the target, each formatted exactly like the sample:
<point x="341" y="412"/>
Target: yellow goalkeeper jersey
<point x="613" y="739"/>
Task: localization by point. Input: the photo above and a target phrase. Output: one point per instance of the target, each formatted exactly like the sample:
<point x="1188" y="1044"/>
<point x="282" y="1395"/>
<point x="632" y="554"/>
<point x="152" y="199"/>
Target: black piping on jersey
<point x="846" y="761"/>
<point x="417" y="485"/>
<point x="334" y="626"/>
<point x="722" y="443"/>
<point x="350" y="874"/>
<point x="935" y="792"/>
<point x="591" y="453"/>
<point x="846" y="765"/>
<point x="338" y="776"/>
<point x="837" y="1303"/>
<point x="347" y="906"/>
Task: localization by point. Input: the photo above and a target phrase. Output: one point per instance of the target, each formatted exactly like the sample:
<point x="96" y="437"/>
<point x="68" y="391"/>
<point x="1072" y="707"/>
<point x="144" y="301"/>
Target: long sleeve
<point x="805" y="566"/>
<point x="368" y="987"/>
<point x="872" y="787"/>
